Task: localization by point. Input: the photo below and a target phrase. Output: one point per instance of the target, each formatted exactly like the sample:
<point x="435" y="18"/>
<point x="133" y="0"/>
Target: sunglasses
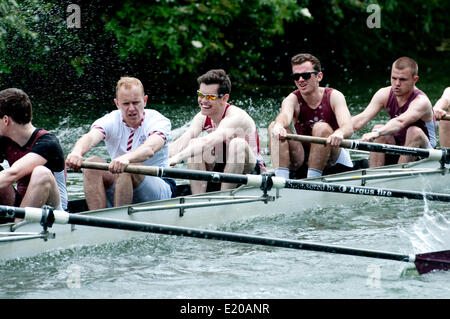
<point x="210" y="97"/>
<point x="304" y="75"/>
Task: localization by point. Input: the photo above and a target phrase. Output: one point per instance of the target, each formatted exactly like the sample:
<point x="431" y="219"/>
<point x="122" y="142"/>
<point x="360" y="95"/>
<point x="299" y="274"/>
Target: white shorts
<point x="152" y="188"/>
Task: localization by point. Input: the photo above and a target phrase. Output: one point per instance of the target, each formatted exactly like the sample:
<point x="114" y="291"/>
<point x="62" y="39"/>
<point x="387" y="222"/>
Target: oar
<point x="424" y="262"/>
<point x="262" y="181"/>
<point x="442" y="154"/>
<point x="446" y="117"/>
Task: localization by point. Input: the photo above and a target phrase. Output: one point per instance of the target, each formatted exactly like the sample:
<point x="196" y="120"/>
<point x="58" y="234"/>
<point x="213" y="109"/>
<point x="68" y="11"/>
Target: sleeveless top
<point x="309" y="116"/>
<point x="252" y="140"/>
<point x="394" y="110"/>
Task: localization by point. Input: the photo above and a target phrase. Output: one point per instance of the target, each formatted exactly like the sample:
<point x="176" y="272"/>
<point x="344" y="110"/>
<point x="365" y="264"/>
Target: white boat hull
<point x="287" y="201"/>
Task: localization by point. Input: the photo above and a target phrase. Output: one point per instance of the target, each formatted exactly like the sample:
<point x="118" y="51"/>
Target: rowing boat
<point x="211" y="209"/>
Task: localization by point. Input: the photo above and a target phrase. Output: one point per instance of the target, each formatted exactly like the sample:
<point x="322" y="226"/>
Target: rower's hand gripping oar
<point x="424" y="262"/>
<point x="277" y="182"/>
<point x="442" y="155"/>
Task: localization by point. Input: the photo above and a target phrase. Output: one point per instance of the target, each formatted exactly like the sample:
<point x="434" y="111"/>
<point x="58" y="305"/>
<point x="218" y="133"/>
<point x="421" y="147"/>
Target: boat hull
<point x="278" y="201"/>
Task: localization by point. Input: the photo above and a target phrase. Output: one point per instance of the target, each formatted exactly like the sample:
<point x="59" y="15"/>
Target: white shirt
<point x="121" y="139"/>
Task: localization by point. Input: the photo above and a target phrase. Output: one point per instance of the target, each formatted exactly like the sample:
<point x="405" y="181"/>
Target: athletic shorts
<point x="152" y="188"/>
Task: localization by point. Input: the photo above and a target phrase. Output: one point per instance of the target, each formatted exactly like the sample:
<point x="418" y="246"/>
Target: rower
<point x="440" y="110"/>
<point x="133" y="134"/>
<point x="412" y="121"/>
<point x="231" y="144"/>
<point x="313" y="111"/>
<point x="34" y="155"/>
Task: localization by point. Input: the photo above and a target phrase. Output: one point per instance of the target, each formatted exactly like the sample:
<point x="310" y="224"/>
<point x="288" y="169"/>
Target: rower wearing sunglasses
<point x="314" y="111"/>
<point x="231" y="142"/>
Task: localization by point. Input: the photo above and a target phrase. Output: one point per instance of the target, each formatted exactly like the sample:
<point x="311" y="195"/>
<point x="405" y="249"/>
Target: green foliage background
<point x="168" y="43"/>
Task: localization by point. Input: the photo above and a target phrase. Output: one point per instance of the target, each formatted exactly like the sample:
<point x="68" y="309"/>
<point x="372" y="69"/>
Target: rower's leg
<point x="377" y="159"/>
<point x="125" y="183"/>
<point x="42" y="189"/>
<point x="202" y="162"/>
<point x="444" y="133"/>
<point x="319" y="154"/>
<point x="417" y="138"/>
<point x="95" y="184"/>
<point x="240" y="160"/>
<point x="288" y="155"/>
<point x="7" y="196"/>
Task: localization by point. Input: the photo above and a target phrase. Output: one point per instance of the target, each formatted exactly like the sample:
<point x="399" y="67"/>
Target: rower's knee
<point x="87" y="173"/>
<point x="237" y="151"/>
<point x="322" y="129"/>
<point x="42" y="177"/>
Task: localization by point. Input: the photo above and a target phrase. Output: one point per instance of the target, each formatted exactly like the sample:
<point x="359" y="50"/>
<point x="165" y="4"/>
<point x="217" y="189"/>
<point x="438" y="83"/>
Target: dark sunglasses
<point x="304" y="75"/>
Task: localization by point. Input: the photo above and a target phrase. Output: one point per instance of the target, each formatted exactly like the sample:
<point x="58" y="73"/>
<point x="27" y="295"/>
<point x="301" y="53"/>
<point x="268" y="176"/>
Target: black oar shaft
<point x="226" y="236"/>
<point x="424" y="262"/>
<point x="378" y="147"/>
<point x="175" y="173"/>
<point x="255" y="180"/>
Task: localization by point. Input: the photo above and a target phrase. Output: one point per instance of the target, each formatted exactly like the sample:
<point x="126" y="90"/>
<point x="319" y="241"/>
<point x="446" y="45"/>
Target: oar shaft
<point x="375" y="147"/>
<point x="62" y="217"/>
<point x="277" y="182"/>
<point x="446" y="117"/>
<point x="175" y="173"/>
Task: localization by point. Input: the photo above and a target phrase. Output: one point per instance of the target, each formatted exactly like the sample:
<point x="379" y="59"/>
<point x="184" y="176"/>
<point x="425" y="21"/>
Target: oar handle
<point x="446" y="117"/>
<point x="433" y="154"/>
<point x="316" y="140"/>
<point x="214" y="177"/>
<point x="133" y="169"/>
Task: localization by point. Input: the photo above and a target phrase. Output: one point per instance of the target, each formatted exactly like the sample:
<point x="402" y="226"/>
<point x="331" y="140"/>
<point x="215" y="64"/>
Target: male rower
<point x="315" y="111"/>
<point x="412" y="121"/>
<point x="133" y="134"/>
<point x="440" y="110"/>
<point x="34" y="155"/>
<point x="231" y="144"/>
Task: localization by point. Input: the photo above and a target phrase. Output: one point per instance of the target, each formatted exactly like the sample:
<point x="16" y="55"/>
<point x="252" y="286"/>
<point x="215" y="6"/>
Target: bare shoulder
<point x="446" y="93"/>
<point x="238" y="117"/>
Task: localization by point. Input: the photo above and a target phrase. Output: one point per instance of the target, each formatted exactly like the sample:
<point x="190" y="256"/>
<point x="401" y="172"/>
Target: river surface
<point x="159" y="266"/>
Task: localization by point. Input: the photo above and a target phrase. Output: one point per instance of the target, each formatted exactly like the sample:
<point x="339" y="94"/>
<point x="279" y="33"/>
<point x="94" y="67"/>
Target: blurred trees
<point x="168" y="43"/>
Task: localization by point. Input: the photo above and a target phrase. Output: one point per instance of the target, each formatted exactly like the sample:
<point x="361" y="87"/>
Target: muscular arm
<point x="285" y="117"/>
<point x="82" y="146"/>
<point x="151" y="146"/>
<point x="226" y="129"/>
<point x="192" y="132"/>
<point x="22" y="167"/>
<point x="343" y="117"/>
<point x="416" y="110"/>
<point x="375" y="106"/>
<point x="442" y="105"/>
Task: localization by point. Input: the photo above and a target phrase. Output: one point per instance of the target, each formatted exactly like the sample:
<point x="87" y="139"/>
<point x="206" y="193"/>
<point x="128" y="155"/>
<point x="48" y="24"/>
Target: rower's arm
<point x="226" y="129"/>
<point x="375" y="106"/>
<point x="416" y="110"/>
<point x="22" y="167"/>
<point x="82" y="146"/>
<point x="194" y="130"/>
<point x="343" y="117"/>
<point x="285" y="117"/>
<point x="442" y="105"/>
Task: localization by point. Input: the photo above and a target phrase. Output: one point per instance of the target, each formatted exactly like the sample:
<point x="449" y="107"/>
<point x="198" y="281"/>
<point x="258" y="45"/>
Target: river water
<point x="166" y="267"/>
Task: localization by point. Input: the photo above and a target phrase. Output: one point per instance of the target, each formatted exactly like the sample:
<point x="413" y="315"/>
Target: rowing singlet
<point x="308" y="116"/>
<point x="429" y="128"/>
<point x="252" y="140"/>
